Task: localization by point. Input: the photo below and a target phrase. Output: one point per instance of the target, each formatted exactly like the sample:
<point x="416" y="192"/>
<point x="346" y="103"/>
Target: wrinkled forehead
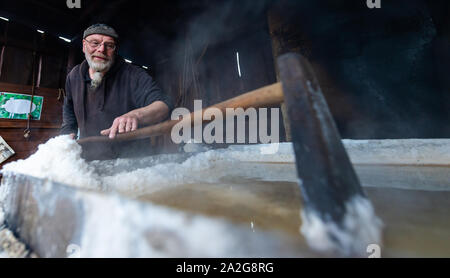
<point x="100" y="38"/>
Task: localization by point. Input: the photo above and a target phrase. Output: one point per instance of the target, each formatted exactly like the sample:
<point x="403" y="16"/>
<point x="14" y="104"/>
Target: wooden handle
<point x="262" y="97"/>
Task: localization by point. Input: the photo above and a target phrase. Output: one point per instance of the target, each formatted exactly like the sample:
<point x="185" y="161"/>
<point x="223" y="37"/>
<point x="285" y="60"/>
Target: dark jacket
<point x="125" y="87"/>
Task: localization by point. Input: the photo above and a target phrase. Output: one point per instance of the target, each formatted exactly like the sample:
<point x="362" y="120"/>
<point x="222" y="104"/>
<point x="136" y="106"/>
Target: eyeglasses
<point x="95" y="44"/>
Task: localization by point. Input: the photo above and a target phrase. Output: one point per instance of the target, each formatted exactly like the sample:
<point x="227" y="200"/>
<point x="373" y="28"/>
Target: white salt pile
<point x="361" y="227"/>
<point x="204" y="167"/>
<point x="58" y="160"/>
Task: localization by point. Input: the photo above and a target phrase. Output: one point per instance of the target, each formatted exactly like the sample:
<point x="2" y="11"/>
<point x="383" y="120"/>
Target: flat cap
<point x="101" y="29"/>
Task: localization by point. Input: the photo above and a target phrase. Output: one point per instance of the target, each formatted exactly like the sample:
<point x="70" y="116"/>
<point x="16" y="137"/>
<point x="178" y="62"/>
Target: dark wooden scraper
<point x="337" y="216"/>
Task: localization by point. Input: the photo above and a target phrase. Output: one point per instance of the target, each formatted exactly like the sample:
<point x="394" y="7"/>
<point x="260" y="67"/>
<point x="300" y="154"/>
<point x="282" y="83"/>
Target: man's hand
<point x="122" y="124"/>
<point x="73" y="136"/>
<point x="150" y="114"/>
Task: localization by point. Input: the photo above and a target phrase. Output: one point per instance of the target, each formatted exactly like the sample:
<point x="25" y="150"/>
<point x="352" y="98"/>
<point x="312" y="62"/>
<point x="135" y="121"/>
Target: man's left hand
<point x="122" y="124"/>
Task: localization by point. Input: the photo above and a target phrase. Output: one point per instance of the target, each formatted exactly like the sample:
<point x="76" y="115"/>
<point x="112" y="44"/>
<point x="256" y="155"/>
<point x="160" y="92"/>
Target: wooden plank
<point x="52" y="106"/>
<point x="39" y="134"/>
<point x="51" y="116"/>
<point x="24" y="146"/>
<point x="33" y="124"/>
<point x="25" y="89"/>
<point x="48" y="126"/>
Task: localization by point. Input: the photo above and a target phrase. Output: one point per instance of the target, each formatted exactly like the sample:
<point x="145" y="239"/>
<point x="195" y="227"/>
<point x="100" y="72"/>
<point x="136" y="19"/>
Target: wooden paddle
<point x="263" y="97"/>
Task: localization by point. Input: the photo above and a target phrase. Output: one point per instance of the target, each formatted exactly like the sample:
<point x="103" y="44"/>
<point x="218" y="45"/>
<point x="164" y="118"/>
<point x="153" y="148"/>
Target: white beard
<point x="99" y="69"/>
<point x="97" y="78"/>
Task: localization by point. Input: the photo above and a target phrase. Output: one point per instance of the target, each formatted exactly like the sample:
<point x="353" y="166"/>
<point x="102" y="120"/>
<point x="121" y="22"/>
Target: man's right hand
<point x="73" y="136"/>
<point x="125" y="123"/>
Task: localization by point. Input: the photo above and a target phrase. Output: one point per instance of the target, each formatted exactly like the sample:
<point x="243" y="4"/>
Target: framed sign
<point x="17" y="106"/>
<point x="5" y="150"/>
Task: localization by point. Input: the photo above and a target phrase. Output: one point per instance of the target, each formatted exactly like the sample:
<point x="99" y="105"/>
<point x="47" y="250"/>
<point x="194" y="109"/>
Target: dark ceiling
<point x="385" y="71"/>
<point x="56" y="17"/>
<point x="156" y="25"/>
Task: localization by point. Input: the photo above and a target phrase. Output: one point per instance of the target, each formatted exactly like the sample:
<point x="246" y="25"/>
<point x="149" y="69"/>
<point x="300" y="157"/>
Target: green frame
<point x="6" y="96"/>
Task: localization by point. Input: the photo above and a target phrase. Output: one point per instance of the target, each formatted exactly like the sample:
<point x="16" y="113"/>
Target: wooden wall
<point x="48" y="126"/>
<point x="23" y="48"/>
<point x="207" y="71"/>
<point x="383" y="72"/>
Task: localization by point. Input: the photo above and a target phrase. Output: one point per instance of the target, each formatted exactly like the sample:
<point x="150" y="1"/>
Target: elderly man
<point x="105" y="95"/>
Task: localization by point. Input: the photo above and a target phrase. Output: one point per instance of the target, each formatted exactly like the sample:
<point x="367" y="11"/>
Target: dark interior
<point x="384" y="72"/>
